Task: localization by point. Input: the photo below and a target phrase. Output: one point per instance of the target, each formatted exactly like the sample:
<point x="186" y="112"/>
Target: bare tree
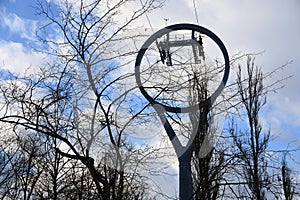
<point x="251" y="145"/>
<point x="257" y="172"/>
<point x="82" y="100"/>
<point x="20" y="172"/>
<point x="7" y="156"/>
<point x="55" y="180"/>
<point x="27" y="172"/>
<point x="208" y="161"/>
<point x="287" y="184"/>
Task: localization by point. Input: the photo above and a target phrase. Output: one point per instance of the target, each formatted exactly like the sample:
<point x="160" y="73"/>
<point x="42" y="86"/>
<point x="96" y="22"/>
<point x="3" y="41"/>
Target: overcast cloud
<point x="244" y="26"/>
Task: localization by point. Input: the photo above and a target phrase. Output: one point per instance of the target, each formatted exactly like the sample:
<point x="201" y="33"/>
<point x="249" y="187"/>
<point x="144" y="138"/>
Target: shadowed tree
<point x="8" y="156"/>
<point x="251" y="145"/>
<point x="287" y="184"/>
<point x="208" y="160"/>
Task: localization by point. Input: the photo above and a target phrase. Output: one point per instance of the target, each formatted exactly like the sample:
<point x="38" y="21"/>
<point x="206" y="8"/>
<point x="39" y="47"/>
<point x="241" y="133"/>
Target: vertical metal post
<point x="185" y="176"/>
<point x="184" y="153"/>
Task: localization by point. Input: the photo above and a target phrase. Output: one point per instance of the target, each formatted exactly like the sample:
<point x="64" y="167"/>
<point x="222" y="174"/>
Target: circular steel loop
<point x="164" y="31"/>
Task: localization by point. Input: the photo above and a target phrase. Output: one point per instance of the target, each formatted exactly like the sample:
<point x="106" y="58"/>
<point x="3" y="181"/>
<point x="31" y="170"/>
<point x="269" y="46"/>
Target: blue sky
<point x="244" y="26"/>
<point x="15" y="15"/>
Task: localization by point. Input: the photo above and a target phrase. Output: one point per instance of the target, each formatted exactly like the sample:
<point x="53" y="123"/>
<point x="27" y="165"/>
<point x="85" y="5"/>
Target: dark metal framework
<point x="183" y="153"/>
<point x="195" y="42"/>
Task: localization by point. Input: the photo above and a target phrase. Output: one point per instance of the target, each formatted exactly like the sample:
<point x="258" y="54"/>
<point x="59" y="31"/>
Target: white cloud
<point x="16" y="58"/>
<point x="25" y="28"/>
<point x="285" y="110"/>
<point x="248" y="26"/>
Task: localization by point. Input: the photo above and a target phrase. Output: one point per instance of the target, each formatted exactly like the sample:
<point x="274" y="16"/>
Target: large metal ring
<point x="164" y="31"/>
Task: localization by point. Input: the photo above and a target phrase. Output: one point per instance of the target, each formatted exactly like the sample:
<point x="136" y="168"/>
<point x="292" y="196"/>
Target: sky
<point x="269" y="26"/>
